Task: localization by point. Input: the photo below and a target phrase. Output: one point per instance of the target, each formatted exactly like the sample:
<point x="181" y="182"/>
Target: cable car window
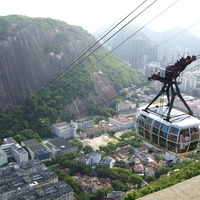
<point x="156" y="124"/>
<point x="154" y="139"/>
<point x="149" y="120"/>
<point x="172" y="137"/>
<point x="164" y="130"/>
<point x="155" y="130"/>
<point x="141" y="131"/>
<point x="173" y="130"/>
<point x="184" y="140"/>
<point x="162" y="142"/>
<point x="194" y="133"/>
<point x="194" y="129"/>
<point x="141" y="122"/>
<point x="172" y="146"/>
<point x="148" y="127"/>
<point x="147" y="134"/>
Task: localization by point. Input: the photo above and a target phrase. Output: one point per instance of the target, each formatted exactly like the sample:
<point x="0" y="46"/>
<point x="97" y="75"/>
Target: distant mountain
<point x="181" y="37"/>
<point x="176" y="37"/>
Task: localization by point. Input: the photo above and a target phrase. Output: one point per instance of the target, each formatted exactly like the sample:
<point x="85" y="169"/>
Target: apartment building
<point x="32" y="180"/>
<point x="11" y="149"/>
<point x="123" y="122"/>
<point x="36" y="149"/>
<point x="64" y="130"/>
<point x="85" y="123"/>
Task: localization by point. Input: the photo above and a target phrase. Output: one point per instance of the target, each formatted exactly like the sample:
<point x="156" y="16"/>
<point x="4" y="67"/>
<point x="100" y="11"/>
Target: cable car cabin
<point x="179" y="135"/>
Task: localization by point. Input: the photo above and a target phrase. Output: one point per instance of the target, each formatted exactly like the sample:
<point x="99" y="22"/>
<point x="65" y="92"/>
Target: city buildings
<point x="138" y="59"/>
<point x="65" y="130"/>
<point x="12" y="150"/>
<point x="116" y="195"/>
<point x="90" y="158"/>
<point x="36" y="150"/>
<point x="124" y="106"/>
<point x="32" y="180"/>
<point x="85" y="123"/>
<point x="106" y="162"/>
<point x="60" y="146"/>
<point x="125" y="123"/>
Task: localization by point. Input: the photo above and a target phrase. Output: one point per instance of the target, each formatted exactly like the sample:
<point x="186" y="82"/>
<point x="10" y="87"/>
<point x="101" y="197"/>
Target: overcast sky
<point x="93" y="14"/>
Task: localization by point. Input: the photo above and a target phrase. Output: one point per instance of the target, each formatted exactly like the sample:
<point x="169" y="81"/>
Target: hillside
<point x="33" y="51"/>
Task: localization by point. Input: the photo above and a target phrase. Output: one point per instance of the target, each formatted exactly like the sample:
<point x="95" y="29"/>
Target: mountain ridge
<point x="176" y="36"/>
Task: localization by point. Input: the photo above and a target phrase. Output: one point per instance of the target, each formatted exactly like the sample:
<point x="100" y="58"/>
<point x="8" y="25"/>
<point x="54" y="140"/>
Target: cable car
<point x="163" y="126"/>
<point x="179" y="135"/>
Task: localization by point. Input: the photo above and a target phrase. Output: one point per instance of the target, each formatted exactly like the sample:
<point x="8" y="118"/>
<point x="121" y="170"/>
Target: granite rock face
<point x="26" y="66"/>
<point x="34" y="55"/>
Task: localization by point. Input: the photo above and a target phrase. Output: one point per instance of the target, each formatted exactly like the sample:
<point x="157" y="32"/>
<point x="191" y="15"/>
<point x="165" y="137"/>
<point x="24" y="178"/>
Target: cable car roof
<point x="177" y="117"/>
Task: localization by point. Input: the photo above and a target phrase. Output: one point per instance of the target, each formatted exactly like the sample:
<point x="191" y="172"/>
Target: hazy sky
<point x="93" y="14"/>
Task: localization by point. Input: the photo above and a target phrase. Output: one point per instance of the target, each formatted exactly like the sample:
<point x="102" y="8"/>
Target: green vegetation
<point x="35" y="118"/>
<point x="187" y="170"/>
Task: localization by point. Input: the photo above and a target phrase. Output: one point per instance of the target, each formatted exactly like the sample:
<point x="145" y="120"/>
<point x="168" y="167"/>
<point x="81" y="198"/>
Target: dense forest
<point x="40" y="110"/>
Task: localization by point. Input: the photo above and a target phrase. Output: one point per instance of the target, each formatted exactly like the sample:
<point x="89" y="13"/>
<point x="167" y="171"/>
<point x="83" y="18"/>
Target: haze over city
<point x="92" y="15"/>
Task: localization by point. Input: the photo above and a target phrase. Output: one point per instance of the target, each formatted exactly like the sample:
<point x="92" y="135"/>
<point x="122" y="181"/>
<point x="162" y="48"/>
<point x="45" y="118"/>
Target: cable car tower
<point x="168" y="77"/>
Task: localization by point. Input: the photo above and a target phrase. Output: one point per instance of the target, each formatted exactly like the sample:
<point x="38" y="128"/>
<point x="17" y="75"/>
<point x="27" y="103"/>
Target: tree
<point x="158" y="157"/>
<point x="118" y="185"/>
<point x="101" y="194"/>
<point x="77" y="143"/>
<point x="132" y="195"/>
<point x="112" y="132"/>
<point x="150" y="179"/>
<point x="131" y="150"/>
<point x="87" y="149"/>
<point x="161" y="171"/>
<point x="44" y="127"/>
<point x="136" y="179"/>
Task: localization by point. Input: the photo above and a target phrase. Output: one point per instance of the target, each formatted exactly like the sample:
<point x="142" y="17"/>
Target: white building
<point x="64" y="130"/>
<point x="151" y="68"/>
<point x="83" y="123"/>
<point x="12" y="149"/>
<point x="106" y="162"/>
<point x="3" y="157"/>
<point x="188" y="80"/>
<point x="123" y="122"/>
<point x="19" y="153"/>
<point x="125" y="105"/>
<point x="93" y="158"/>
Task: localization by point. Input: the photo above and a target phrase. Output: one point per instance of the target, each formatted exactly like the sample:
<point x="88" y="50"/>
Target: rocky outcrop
<point x="104" y="94"/>
<point x="25" y="66"/>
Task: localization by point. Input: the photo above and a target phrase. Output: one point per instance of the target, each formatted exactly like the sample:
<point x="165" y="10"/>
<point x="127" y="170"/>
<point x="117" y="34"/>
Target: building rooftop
<point x="105" y="160"/>
<point x="9" y="141"/>
<point x="82" y="120"/>
<point x="61" y="143"/>
<point x="33" y="145"/>
<point x="41" y="183"/>
<point x="123" y="119"/>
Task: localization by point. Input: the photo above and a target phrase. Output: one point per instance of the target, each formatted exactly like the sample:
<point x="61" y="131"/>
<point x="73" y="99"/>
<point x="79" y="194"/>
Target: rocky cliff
<point x="28" y="59"/>
<point x="34" y="51"/>
<point x="106" y="93"/>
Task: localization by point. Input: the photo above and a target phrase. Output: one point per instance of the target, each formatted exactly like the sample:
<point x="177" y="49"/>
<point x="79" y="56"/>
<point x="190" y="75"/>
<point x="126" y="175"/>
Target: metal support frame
<point x="174" y="91"/>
